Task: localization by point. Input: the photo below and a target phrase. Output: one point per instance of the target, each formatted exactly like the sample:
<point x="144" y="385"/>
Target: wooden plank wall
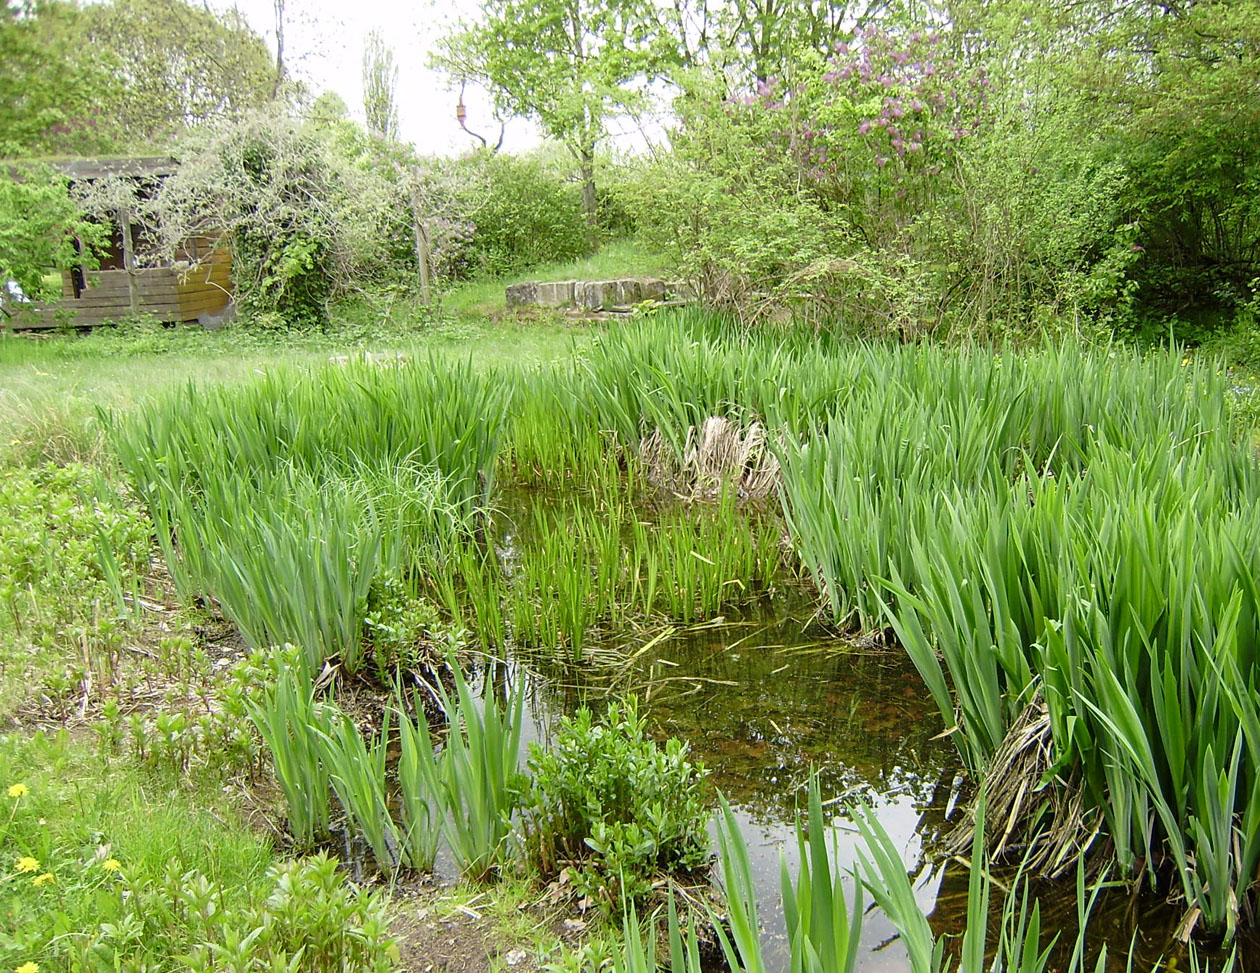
<point x="170" y="294"/>
<point x="208" y="289"/>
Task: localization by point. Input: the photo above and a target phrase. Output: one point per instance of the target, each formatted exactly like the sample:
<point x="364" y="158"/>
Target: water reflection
<point x="762" y="703"/>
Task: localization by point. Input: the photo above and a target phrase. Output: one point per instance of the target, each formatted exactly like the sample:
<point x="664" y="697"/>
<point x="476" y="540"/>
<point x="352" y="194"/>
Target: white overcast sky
<point x="324" y="47"/>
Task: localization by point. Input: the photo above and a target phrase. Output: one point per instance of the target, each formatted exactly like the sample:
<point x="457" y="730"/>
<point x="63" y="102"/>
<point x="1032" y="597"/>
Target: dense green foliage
<point x="69" y="548"/>
<point x="527" y="215"/>
<point x="570" y="65"/>
<point x="99" y="879"/>
<point x="611" y="805"/>
<point x="38" y="226"/>
<point x="990" y="175"/>
<point x="378" y="467"/>
<point x="105" y="78"/>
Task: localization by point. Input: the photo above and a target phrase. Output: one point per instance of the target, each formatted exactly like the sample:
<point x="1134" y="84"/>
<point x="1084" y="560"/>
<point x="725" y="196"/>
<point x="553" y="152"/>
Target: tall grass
<point x="481" y="776"/>
<point x="357" y="771"/>
<point x="1021" y="946"/>
<point x="283" y="499"/>
<point x="465" y="791"/>
<point x="610" y="564"/>
<point x="420" y="788"/>
<point x="290" y="722"/>
<point x="1058" y="535"/>
<point x="824" y="928"/>
<point x="1125" y="602"/>
<point x="1058" y="529"/>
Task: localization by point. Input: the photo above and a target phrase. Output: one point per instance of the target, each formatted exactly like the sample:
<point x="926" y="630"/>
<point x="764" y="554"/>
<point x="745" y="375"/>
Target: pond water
<point x="763" y="696"/>
<point x="761" y="703"/>
<point x="761" y="699"/>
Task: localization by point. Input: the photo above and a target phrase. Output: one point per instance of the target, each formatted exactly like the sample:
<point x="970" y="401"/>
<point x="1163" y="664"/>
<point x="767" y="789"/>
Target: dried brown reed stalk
<point x="718" y="452"/>
<point x="1047" y="828"/>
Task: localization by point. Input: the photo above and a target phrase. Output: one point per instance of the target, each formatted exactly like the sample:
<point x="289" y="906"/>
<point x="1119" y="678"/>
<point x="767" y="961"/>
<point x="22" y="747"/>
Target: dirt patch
<point x="435" y="939"/>
<point x="504" y="929"/>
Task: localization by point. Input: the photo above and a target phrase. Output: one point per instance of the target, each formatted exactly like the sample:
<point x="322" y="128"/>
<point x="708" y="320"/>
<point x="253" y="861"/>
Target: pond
<point x="762" y="696"/>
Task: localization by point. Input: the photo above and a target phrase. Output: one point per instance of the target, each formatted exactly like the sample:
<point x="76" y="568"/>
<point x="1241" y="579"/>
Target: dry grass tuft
<point x="718" y="453"/>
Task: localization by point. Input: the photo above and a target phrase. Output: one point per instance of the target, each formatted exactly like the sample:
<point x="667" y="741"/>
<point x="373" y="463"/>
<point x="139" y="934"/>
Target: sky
<point x="324" y="42"/>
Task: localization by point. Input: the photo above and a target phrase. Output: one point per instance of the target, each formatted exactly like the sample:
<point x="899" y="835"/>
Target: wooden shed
<point x="196" y="287"/>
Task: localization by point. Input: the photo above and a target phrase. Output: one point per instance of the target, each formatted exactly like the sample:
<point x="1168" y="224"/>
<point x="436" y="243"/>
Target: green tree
<point x="39" y="226"/>
<point x="767" y="35"/>
<point x="47" y="81"/>
<point x="570" y="64"/>
<point x="174" y="65"/>
<point x="380" y="85"/>
<point x="121" y="76"/>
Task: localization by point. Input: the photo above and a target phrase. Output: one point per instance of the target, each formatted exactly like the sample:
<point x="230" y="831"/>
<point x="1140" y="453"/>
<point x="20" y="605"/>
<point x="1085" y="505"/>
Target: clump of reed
<point x="464" y="792"/>
<point x="1124" y="603"/>
<point x="1058" y="536"/>
<point x="1065" y="558"/>
<point x="290" y="720"/>
<point x="608" y="566"/>
<point x="284" y="498"/>
<point x="824" y="924"/>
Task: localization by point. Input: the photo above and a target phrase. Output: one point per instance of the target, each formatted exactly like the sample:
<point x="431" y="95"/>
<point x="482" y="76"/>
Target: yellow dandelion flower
<point x="18" y="790"/>
<point x="111" y="864"/>
<point x="27" y="864"/>
<point x="45" y="879"/>
<point x="27" y="968"/>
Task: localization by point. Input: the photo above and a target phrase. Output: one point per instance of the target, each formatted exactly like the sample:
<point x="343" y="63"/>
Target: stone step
<point x="590" y="295"/>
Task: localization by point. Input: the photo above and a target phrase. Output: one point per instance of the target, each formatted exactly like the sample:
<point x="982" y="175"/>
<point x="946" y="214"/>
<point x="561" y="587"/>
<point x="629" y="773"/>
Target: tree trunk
<point x="590" y="206"/>
<point x="423" y="256"/>
<point x="280" y="69"/>
<point x="424" y="250"/>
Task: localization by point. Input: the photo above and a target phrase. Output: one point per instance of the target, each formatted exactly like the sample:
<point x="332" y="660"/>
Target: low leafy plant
<point x="71" y="553"/>
<point x="312" y="920"/>
<point x="104" y="877"/>
<point x="608" y="802"/>
<point x="405" y="632"/>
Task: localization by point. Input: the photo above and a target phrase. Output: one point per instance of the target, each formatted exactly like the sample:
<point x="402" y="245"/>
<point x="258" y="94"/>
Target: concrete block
<point x="520" y="295"/>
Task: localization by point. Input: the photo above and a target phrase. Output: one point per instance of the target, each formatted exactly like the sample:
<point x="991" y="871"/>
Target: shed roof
<point x="86" y="170"/>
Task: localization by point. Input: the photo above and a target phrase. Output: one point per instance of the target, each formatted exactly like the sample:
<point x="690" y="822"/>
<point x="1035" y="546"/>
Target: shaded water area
<point x="763" y="695"/>
<point x="761" y="703"/>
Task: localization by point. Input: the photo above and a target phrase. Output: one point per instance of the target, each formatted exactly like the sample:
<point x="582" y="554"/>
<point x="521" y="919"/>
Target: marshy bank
<point x="959" y="545"/>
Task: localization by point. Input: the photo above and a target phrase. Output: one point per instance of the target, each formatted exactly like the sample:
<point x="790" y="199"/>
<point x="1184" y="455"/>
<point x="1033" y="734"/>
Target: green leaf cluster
<point x="615" y="808"/>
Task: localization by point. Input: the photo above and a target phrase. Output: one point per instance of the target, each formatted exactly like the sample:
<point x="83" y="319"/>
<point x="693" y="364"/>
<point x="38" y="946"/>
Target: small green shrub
<point x="405" y="631"/>
<point x="109" y="870"/>
<point x="72" y="552"/>
<point x="605" y="796"/>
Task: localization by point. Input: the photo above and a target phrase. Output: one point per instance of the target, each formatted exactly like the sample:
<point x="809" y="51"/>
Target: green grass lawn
<point x="52" y="386"/>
